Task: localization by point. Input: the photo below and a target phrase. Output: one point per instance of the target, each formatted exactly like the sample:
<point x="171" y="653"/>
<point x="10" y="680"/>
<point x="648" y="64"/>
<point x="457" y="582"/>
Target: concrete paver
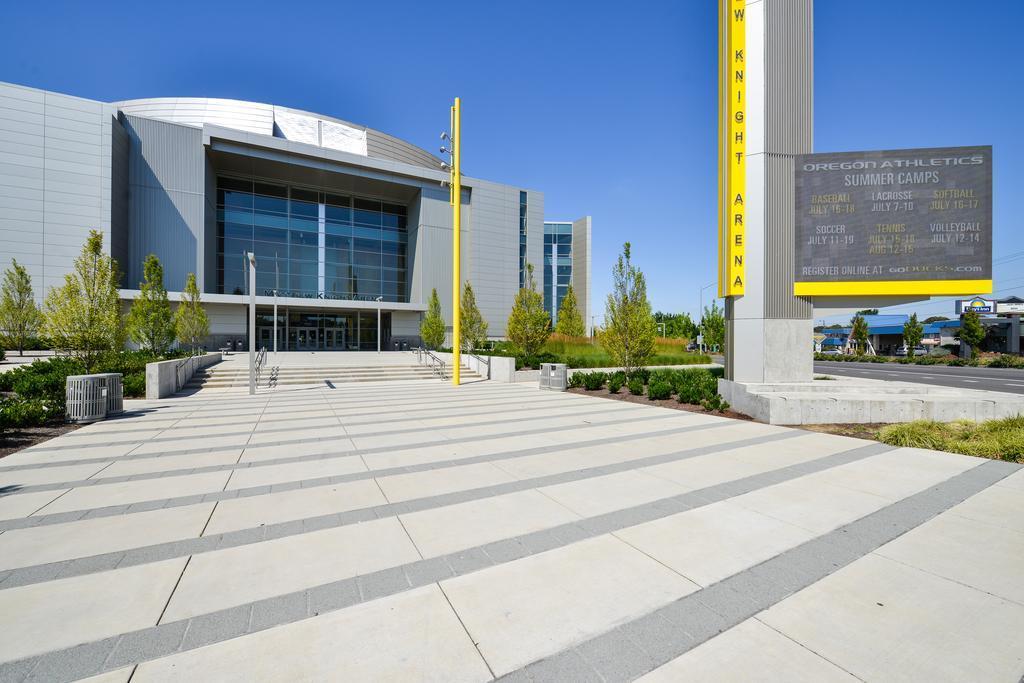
<point x="68" y="612"/>
<point x="887" y="621"/>
<point x="413" y="636"/>
<point x="233" y="576"/>
<point x="749" y="652"/>
<point x="581" y="539"/>
<point x="454" y="527"/>
<point x="25" y="547"/>
<point x="710" y="543"/>
<point x="256" y="511"/>
<point x="521" y="611"/>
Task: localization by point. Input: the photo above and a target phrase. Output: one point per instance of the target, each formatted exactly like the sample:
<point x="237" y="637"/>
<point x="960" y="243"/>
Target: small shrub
<point x="17" y="412"/>
<point x="134" y="385"/>
<point x="576" y="380"/>
<point x="715" y="404"/>
<point x="643" y="374"/>
<point x="659" y="389"/>
<point x="695" y="386"/>
<point x="635" y="386"/>
<point x="1007" y="361"/>
<point x="614" y="383"/>
<point x="592" y="381"/>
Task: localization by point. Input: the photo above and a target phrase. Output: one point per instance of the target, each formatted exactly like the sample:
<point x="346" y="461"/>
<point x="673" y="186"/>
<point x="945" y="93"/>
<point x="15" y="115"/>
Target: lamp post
<point x="251" y="257"/>
<point x="700" y="313"/>
<point x="379" y="299"/>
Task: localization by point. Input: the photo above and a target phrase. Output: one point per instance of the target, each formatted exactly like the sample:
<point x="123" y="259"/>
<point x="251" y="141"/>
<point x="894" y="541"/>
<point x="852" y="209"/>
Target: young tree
<point x="913" y="331"/>
<point x="570" y="322"/>
<point x="712" y="326"/>
<point x="972" y="332"/>
<point x="859" y="333"/>
<point x="19" y="316"/>
<point x="150" y="323"/>
<point x="190" y="321"/>
<point x="432" y="327"/>
<point x="84" y="315"/>
<point x="529" y="325"/>
<point x="629" y="331"/>
<point x="868" y="311"/>
<point x="474" y="327"/>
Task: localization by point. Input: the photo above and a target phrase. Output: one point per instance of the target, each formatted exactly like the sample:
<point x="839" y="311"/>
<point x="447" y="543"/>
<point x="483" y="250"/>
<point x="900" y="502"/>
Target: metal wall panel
<point x="789" y="125"/>
<point x="581" y="268"/>
<point x="55" y="177"/>
<point x="167" y="187"/>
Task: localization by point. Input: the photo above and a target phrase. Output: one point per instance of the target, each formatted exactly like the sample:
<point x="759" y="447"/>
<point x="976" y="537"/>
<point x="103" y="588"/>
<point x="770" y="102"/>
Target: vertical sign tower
<point x="731" y="145"/>
<point x="765" y="120"/>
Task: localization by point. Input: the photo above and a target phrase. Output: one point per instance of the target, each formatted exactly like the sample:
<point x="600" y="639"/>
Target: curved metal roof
<point x="281" y="122"/>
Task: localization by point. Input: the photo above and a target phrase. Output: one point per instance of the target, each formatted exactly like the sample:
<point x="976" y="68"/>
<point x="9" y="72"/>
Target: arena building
<point x="342" y="218"/>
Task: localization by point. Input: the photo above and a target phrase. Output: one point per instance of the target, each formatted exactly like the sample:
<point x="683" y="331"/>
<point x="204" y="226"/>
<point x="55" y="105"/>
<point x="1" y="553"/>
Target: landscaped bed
<point x="692" y="389"/>
<point x="584" y="352"/>
<point x="995" y="439"/>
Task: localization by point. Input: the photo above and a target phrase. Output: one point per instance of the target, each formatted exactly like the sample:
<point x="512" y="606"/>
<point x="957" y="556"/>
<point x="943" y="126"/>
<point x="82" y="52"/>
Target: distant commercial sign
<point x="915" y="221"/>
<point x="977" y="304"/>
<point x="1010" y="308"/>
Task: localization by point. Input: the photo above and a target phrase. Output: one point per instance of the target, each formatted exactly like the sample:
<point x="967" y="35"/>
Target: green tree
<point x="913" y="331"/>
<point x="629" y="330"/>
<point x="934" y="319"/>
<point x="859" y="333"/>
<point x="19" y="316"/>
<point x="570" y="322"/>
<point x="712" y="326"/>
<point x="150" y="323"/>
<point x="474" y="327"/>
<point x="190" y="321"/>
<point x="432" y="328"/>
<point x="677" y="325"/>
<point x="84" y="314"/>
<point x="868" y="311"/>
<point x="528" y="324"/>
<point x="972" y="332"/>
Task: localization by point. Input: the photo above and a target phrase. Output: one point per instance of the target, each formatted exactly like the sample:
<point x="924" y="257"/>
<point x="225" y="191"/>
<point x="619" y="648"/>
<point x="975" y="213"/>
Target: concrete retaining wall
<point x="497" y="368"/>
<point x="167" y="377"/>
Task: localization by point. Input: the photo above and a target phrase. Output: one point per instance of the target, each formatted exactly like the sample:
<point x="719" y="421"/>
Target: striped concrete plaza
<point x="414" y="531"/>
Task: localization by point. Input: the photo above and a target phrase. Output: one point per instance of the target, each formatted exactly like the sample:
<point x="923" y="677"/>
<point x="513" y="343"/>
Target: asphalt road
<point x="990" y="379"/>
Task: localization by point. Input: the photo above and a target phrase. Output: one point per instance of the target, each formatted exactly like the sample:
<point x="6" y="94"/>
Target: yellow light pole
<point x="456" y="202"/>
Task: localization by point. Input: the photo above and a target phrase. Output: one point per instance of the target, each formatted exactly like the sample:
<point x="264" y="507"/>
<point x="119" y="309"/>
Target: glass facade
<point x="557" y="265"/>
<point x="522" y="239"/>
<point x="309" y="243"/>
<point x="318" y="330"/>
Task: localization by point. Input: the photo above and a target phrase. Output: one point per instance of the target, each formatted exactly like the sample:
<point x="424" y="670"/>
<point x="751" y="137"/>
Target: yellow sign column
<point x="456" y="201"/>
<point x="732" y="150"/>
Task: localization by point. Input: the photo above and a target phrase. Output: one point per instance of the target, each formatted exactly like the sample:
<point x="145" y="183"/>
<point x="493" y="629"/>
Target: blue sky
<point x="607" y="108"/>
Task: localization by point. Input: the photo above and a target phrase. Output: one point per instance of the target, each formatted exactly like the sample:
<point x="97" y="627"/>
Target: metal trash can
<point x="86" y="398"/>
<point x="554" y="376"/>
<point x="115" y="392"/>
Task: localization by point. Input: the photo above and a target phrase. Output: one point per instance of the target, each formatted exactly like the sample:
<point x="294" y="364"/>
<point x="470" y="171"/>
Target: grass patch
<point x="997" y="439"/>
<point x="583" y="352"/>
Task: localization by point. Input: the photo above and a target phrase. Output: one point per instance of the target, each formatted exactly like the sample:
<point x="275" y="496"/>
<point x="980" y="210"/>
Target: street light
<point x="251" y="258"/>
<point x="379" y="299"/>
<point x="700" y="313"/>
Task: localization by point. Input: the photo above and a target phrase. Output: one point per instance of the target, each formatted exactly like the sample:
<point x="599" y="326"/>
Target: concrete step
<point x="299" y="375"/>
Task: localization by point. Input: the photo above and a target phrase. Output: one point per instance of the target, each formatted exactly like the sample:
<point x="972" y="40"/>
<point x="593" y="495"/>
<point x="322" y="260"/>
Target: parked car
<point x="833" y="351"/>
<point x="901" y="352"/>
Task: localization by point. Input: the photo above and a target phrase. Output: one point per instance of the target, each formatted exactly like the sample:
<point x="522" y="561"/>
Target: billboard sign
<point x="732" y="150"/>
<point x="897" y="222"/>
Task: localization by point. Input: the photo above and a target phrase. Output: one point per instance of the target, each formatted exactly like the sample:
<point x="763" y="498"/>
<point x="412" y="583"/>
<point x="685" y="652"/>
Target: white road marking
<point x="1014" y="384"/>
<point x="972" y="381"/>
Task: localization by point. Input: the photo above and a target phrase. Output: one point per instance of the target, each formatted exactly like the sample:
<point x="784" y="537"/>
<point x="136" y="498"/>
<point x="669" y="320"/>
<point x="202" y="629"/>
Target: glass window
<point x="310" y="196"/>
<point x="303" y="283"/>
<point x="303" y="223"/>
<point x="338" y="214"/>
<point x="337" y="242"/>
<point x="367" y="204"/>
<point x="363" y="217"/>
<point x="270" y="190"/>
<point x="237" y="230"/>
<point x="303" y="238"/>
<point x="362" y="244"/>
<point x="274" y="204"/>
<point x="270" y="220"/>
<point x="300" y="253"/>
<point x="303" y="268"/>
<point x="276" y="235"/>
<point x="394" y="208"/>
<point x="336" y="200"/>
<point x="364" y="258"/>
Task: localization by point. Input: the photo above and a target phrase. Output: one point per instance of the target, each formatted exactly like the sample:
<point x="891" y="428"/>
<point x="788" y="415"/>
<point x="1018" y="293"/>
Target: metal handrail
<point x="483" y="359"/>
<point x="436" y="364"/>
<point x="261" y="360"/>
